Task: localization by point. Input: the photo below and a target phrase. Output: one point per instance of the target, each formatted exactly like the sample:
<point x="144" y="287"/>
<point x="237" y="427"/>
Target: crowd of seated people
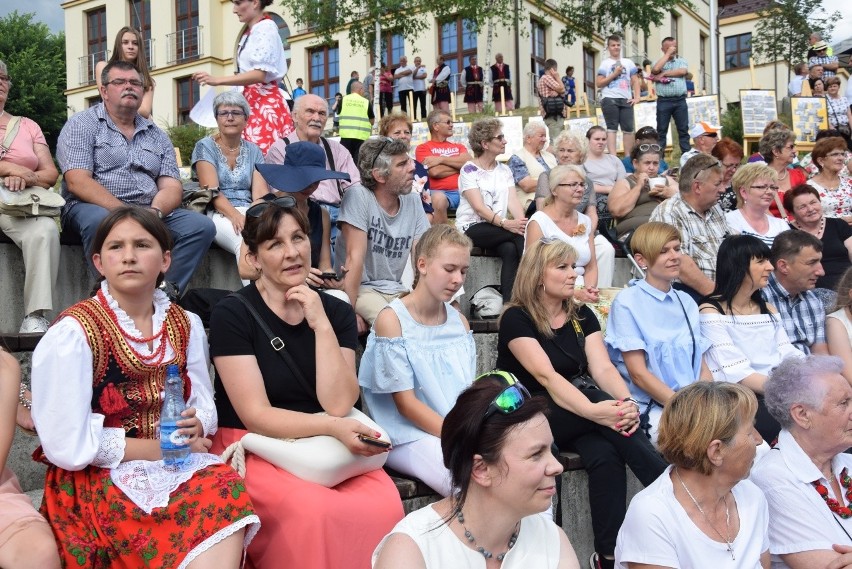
<point x="755" y="294"/>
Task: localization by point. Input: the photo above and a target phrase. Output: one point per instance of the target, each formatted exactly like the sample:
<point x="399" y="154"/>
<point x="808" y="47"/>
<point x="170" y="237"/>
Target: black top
<point x="517" y="323"/>
<point x="835" y="256"/>
<point x="234" y="332"/>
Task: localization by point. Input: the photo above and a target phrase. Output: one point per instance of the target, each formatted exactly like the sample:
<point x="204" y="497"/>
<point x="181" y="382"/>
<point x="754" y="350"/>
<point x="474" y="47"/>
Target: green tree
<point x="35" y="58"/>
<point x="784" y="28"/>
<point x="587" y="18"/>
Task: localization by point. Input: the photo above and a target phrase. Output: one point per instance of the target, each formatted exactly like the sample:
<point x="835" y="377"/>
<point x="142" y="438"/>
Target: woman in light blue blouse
<point x="420" y="356"/>
<point x="225" y="161"/>
<point x="653" y="335"/>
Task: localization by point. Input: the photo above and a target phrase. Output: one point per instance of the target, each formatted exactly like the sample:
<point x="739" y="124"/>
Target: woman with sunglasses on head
<point x="756" y="186"/>
<point x="225" y="161"/>
<point x="652" y="334"/>
<point x="778" y="148"/>
<point x="307" y="524"/>
<point x="631" y="204"/>
<point x="97" y="381"/>
<point x="730" y="154"/>
<point x="130" y="47"/>
<point x="488" y="196"/>
<point x="559" y="219"/>
<point x="496" y="443"/>
<point x="554" y="346"/>
<point x="420" y="355"/>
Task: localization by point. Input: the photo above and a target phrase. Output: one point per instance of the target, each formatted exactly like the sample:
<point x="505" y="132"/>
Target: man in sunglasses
<point x="380" y="222"/>
<point x="704" y="138"/>
<point x="111" y="156"/>
<point x="443" y="160"/>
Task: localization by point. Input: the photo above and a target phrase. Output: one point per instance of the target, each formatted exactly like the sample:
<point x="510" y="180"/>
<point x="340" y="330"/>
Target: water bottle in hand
<point x="172" y="442"/>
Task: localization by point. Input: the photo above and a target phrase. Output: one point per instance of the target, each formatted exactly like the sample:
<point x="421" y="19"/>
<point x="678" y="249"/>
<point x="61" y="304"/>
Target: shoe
<point x="34" y="324"/>
<point x="598" y="562"/>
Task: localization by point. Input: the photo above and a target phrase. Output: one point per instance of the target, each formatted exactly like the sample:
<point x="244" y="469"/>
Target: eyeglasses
<point x="647" y="147"/>
<point x="763" y="188"/>
<point x="387" y="140"/>
<point x="448" y="122"/>
<point x="282" y="202"/>
<point x="835" y="154"/>
<point x="711" y="134"/>
<point x="4" y="78"/>
<point x="230" y="114"/>
<point x="510" y="399"/>
<point x="500" y="137"/>
<point x="790" y="147"/>
<point x="572" y="185"/>
<point x="714" y="164"/>
<point x="730" y="166"/>
<point x="122" y="82"/>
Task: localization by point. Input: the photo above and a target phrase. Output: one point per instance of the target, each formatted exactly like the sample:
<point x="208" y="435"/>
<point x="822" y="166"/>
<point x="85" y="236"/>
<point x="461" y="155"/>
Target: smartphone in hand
<point x="367" y="439"/>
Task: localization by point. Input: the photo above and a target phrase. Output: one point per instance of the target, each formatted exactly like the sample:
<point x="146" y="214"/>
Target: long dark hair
<point x="466" y="432"/>
<point x="732" y="268"/>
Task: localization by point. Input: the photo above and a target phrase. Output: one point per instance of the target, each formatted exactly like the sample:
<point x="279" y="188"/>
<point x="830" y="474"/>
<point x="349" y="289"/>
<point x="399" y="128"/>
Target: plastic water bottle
<point x="173" y="443"/>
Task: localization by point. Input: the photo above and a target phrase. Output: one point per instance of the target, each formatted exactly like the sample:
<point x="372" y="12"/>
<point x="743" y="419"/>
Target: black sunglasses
<point x="257" y="210"/>
<point x="385" y="142"/>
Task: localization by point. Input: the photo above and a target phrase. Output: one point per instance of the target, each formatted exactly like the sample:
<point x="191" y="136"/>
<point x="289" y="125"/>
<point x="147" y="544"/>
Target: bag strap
<point x="331" y="165"/>
<point x="581" y="342"/>
<point x="276" y="342"/>
<point x="12" y="128"/>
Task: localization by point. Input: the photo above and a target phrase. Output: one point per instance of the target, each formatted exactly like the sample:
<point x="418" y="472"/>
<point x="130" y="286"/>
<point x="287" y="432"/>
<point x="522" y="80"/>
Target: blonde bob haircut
<point x="650" y="238"/>
<point x="435" y="238"/>
<point x="557" y="174"/>
<point x="699" y="414"/>
<point x="749" y="174"/>
<point x="526" y="293"/>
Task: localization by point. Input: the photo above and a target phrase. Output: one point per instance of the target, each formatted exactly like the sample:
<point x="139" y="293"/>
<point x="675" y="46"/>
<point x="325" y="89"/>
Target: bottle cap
<point x="172" y="369"/>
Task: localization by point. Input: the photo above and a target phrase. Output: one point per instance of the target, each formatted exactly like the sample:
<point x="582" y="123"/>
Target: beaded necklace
<point x="833" y="505"/>
<point x="157" y="356"/>
<point x="484" y="552"/>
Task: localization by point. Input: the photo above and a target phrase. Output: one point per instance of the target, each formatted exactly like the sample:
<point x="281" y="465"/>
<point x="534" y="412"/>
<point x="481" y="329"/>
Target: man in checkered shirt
<point x="111" y="156"/>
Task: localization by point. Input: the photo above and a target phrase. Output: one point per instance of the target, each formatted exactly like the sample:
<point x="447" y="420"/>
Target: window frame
<point x="590" y="71"/>
<point x="466" y="45"/>
<point x="538" y="39"/>
<point x="181" y="86"/>
<point x="95" y="45"/>
<point x="140" y="19"/>
<point x="186" y="20"/>
<point x="328" y="85"/>
<point x="741" y="53"/>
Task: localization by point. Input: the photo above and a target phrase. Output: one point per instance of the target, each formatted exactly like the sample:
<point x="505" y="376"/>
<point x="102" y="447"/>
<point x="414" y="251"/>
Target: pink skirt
<point x="311" y="526"/>
<point x="270" y="117"/>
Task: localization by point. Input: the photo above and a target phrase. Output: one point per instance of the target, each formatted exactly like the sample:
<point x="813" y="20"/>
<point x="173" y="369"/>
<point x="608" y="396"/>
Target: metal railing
<point x="184" y="45"/>
<point x="149" y="53"/>
<point x="86" y="66"/>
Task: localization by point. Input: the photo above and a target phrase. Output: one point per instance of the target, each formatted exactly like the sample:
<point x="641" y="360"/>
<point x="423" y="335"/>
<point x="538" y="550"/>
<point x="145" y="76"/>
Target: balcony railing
<point x="185" y="45"/>
<point x="87" y="65"/>
<point x="149" y="53"/>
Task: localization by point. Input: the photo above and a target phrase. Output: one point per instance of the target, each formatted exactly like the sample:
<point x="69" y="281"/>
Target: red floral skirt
<point x="270" y="116"/>
<point x="97" y="526"/>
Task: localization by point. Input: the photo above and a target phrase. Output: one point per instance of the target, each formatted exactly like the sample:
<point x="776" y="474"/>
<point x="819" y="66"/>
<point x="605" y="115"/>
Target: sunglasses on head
<point x="283" y="201"/>
<point x="387" y="140"/>
<point x="511" y="398"/>
<point x="647" y="147"/>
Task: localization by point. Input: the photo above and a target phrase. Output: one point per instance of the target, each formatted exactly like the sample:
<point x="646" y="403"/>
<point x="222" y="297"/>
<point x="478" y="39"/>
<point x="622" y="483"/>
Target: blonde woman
<point x="756" y="188"/>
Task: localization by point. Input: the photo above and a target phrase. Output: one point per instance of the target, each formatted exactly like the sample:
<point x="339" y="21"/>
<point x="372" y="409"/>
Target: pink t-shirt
<point x="22" y="150"/>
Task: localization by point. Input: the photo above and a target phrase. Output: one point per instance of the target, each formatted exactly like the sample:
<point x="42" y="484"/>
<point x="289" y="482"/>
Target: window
<point x="589" y="72"/>
<point x="92" y="101"/>
<point x="186" y="36"/>
<point x="283" y="33"/>
<point x="537" y="49"/>
<point x="140" y="19"/>
<point x="187" y="97"/>
<point x="634" y="44"/>
<point x="96" y="41"/>
<point x="675" y="25"/>
<point x="702" y="63"/>
<point x="457" y="44"/>
<point x="737" y="51"/>
<point x="325" y="71"/>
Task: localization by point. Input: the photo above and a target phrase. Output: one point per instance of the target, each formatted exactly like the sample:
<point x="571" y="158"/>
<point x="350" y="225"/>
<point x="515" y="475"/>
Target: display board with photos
<point x="513" y="130"/>
<point x="704" y="108"/>
<point x="757" y="108"/>
<point x="645" y="114"/>
<point x="581" y="125"/>
<point x="810" y="115"/>
<point x="460" y="132"/>
<point x="419" y="134"/>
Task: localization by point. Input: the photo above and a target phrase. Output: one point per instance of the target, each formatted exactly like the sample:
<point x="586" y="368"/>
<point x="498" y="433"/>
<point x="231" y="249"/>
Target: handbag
<point x="321" y="459"/>
<point x="32" y="201"/>
<point x="487" y="302"/>
<point x="552" y="106"/>
<point x="198" y="198"/>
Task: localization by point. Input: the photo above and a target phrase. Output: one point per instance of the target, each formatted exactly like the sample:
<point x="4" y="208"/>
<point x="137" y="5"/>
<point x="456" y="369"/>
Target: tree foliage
<point x="35" y="59"/>
<point x="784" y="28"/>
<point x="587" y="17"/>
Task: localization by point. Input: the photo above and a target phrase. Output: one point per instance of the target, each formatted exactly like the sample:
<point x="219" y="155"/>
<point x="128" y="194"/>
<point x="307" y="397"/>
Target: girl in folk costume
<point x="97" y="383"/>
<point x="260" y="66"/>
<point x="472" y="81"/>
<point x="440" y="86"/>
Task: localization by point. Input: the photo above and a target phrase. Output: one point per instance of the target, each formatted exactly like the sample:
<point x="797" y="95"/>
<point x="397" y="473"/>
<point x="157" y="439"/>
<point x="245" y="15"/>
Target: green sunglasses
<point x="511" y="398"/>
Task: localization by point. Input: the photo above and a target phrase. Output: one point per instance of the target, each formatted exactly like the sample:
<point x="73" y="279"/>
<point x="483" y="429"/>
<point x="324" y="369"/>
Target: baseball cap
<point x="701" y="128"/>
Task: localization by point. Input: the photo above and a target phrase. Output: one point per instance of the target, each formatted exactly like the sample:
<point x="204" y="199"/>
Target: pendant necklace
<point x="727" y="537"/>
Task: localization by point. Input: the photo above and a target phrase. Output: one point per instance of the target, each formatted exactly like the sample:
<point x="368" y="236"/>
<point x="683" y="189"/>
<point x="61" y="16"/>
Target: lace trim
<point x="149" y="483"/>
<point x="208" y="421"/>
<point x="221" y="535"/>
<point x="111" y="450"/>
<point x="161" y="305"/>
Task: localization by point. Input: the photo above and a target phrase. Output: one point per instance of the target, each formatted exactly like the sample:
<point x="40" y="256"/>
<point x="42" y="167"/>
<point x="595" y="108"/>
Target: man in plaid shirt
<point x="550" y="92"/>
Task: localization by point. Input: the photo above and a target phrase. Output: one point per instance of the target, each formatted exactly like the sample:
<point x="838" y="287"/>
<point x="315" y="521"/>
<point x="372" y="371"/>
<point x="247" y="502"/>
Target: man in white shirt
<point x="420" y="75"/>
<point x="794" y="89"/>
<point x="404" y="76"/>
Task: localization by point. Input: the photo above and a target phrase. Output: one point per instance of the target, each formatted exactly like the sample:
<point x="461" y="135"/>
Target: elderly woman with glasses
<point x="730" y="154"/>
<point x="778" y="148"/>
<point x="225" y="161"/>
<point x="702" y="512"/>
<point x="806" y="477"/>
<point x="488" y="196"/>
<point x="554" y="346"/>
<point x="496" y="444"/>
<point x="632" y="204"/>
<point x="257" y="392"/>
<point x="835" y="191"/>
<point x="756" y="186"/>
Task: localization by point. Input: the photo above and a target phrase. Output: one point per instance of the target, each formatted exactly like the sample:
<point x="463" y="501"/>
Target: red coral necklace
<point x="833" y="505"/>
<point x="157" y="356"/>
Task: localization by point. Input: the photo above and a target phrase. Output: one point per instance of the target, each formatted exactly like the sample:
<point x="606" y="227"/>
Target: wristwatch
<point x="159" y="212"/>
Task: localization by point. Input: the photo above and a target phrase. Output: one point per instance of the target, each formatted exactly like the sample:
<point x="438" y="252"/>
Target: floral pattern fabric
<point x="270" y="117"/>
<point x="835" y="202"/>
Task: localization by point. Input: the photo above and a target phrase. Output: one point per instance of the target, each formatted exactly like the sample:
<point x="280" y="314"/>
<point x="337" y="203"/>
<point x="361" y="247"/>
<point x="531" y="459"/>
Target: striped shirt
<point x="128" y="169"/>
<point x="803" y="314"/>
<point x="677" y="86"/>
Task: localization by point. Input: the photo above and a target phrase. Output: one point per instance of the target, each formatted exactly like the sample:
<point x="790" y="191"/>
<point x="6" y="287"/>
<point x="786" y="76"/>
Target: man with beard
<point x="310" y="114"/>
<point x="112" y="156"/>
<point x="380" y="222"/>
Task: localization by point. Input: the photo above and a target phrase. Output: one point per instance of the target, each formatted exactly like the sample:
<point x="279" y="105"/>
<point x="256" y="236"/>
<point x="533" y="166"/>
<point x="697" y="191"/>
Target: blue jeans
<point x="668" y="107"/>
<point x="193" y="233"/>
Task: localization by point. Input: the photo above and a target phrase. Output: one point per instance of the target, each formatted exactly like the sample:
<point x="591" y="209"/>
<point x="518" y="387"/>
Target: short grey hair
<point x="773" y="140"/>
<point x="696" y="168"/>
<point x="795" y="381"/>
<point x="231" y="99"/>
<point x="532" y="127"/>
<point x="482" y="130"/>
<point x="377" y="154"/>
<point x="575" y="139"/>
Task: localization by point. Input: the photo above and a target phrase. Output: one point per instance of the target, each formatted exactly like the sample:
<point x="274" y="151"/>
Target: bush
<point x="732" y="122"/>
<point x="184" y="137"/>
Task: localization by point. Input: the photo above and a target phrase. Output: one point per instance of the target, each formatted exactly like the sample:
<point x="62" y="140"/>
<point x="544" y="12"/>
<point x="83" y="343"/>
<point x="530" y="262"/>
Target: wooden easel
<point x="581" y="105"/>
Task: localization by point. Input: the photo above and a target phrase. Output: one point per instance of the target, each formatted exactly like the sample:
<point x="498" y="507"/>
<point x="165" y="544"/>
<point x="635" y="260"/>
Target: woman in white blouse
<point x="756" y="188"/>
<point x="746" y="336"/>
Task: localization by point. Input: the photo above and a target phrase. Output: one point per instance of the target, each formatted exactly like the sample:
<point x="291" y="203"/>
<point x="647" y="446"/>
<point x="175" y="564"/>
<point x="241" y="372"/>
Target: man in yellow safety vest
<point x="356" y="120"/>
